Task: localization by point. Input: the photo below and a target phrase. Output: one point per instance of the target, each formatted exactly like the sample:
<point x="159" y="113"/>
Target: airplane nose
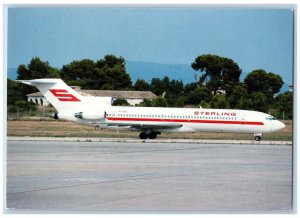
<point x="280" y="125"/>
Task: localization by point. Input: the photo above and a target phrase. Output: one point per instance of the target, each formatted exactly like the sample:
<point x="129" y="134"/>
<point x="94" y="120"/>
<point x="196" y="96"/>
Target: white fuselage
<point x="191" y="119"/>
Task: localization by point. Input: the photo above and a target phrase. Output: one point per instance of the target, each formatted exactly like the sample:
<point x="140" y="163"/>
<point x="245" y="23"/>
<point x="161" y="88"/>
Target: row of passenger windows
<point x="171" y="116"/>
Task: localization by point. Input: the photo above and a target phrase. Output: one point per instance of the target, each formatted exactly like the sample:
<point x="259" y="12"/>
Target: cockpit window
<point x="270" y="118"/>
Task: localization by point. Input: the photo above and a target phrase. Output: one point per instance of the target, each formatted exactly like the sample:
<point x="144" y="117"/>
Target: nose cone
<point x="279" y="125"/>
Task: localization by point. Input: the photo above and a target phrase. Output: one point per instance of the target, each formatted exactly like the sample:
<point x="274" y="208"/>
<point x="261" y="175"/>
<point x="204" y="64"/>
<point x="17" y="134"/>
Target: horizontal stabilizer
<point x="33" y="82"/>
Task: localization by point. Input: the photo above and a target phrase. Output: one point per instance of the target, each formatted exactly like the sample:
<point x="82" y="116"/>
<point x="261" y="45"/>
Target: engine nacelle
<point x="90" y="115"/>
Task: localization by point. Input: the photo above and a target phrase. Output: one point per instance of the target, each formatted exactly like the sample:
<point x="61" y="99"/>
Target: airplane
<point x="150" y="121"/>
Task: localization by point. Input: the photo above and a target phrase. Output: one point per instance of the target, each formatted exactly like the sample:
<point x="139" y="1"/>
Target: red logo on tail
<point x="63" y="95"/>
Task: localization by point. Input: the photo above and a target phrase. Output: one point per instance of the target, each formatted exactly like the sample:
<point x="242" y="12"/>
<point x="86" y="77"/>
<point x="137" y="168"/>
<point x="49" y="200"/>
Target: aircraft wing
<point x="147" y="126"/>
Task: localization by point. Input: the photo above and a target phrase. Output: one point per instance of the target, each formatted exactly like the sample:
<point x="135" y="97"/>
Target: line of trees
<point x="218" y="84"/>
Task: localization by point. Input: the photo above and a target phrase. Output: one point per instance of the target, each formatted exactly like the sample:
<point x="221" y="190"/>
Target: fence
<point x="21" y="114"/>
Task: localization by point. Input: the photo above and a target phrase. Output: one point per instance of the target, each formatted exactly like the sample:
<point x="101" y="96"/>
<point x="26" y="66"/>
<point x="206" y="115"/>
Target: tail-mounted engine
<point x="90" y="115"/>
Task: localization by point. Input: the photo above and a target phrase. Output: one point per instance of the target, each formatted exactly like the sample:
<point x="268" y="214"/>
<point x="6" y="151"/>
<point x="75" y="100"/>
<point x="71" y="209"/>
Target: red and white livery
<point x="150" y="121"/>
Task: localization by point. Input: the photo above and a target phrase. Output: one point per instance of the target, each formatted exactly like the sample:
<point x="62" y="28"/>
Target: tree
<point x="106" y="73"/>
<point x="111" y="73"/>
<point x="190" y="87"/>
<point x="174" y="88"/>
<point x="120" y="102"/>
<point x="238" y="96"/>
<point x="180" y="102"/>
<point x="259" y="102"/>
<point x="79" y="73"/>
<point x="244" y="103"/>
<point x="157" y="86"/>
<point x="37" y="69"/>
<point x="141" y="85"/>
<point x="219" y="101"/>
<point x="14" y="92"/>
<point x="159" y="102"/>
<point x="261" y="81"/>
<point x="16" y="98"/>
<point x="205" y="104"/>
<point x="200" y="94"/>
<point x="171" y="90"/>
<point x="145" y="103"/>
<point x="111" y="61"/>
<point x="218" y="71"/>
<point x="284" y="104"/>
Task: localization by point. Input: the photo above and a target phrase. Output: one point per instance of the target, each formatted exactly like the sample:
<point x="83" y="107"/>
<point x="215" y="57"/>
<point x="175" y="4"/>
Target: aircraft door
<point x="244" y="118"/>
<point x="242" y="125"/>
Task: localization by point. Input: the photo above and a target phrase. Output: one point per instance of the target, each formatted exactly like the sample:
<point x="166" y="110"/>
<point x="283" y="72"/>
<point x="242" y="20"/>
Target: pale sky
<point x="254" y="38"/>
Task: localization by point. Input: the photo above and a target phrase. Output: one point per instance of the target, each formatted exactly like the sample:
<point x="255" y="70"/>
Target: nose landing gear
<point x="257" y="136"/>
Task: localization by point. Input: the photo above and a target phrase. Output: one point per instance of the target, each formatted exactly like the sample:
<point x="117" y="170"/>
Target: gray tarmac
<point x="112" y="177"/>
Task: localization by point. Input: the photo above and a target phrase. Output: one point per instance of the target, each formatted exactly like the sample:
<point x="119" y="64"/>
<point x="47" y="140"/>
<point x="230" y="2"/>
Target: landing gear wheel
<point x="152" y="135"/>
<point x="143" y="135"/>
<point x="257" y="138"/>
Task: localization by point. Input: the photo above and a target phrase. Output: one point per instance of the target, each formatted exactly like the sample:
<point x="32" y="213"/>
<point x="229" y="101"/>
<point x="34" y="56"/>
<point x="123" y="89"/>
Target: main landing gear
<point x="257" y="136"/>
<point x="150" y="135"/>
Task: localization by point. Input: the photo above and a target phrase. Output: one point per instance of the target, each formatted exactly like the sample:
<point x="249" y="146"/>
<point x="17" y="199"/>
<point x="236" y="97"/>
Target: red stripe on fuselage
<point x="184" y="120"/>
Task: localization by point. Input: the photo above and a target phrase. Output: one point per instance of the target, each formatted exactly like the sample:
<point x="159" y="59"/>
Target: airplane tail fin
<point x="59" y="94"/>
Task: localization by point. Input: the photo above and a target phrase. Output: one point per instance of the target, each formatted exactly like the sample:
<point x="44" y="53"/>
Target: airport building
<point x="37" y="98"/>
<point x="132" y="97"/>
